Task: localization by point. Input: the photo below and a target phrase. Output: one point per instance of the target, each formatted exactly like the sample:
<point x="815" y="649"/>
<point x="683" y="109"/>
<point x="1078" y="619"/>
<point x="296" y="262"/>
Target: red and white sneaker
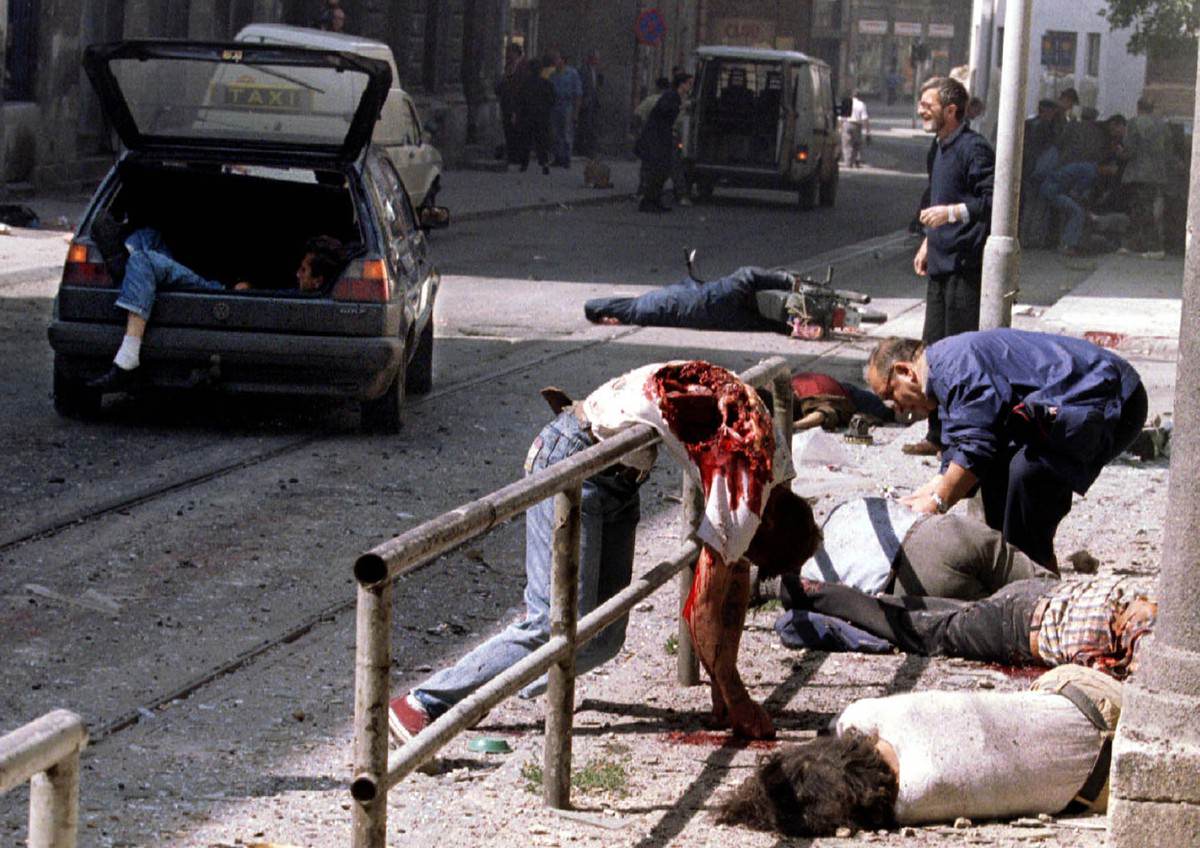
<point x="406" y="717"/>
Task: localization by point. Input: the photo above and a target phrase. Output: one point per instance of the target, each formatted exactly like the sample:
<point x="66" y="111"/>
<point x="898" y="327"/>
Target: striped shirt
<point x="1079" y="624"/>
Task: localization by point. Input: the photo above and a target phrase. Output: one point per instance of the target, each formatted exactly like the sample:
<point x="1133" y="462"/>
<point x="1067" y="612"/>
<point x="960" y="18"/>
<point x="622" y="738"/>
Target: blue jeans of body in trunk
<point x="151" y="267"/>
<point x="610" y="512"/>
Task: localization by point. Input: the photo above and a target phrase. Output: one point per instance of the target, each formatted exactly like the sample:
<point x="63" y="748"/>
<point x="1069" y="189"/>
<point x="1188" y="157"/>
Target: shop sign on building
<point x="869" y="27"/>
<point x="941" y="30"/>
<point x="746" y="32"/>
<point x="907" y="28"/>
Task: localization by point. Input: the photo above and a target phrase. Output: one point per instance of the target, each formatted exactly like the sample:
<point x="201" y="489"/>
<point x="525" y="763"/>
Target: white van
<point x="399" y="130"/>
<point x="762" y="118"/>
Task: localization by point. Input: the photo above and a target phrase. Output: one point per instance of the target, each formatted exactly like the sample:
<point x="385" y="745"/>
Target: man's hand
<point x="920" y="263"/>
<point x="935" y="216"/>
<point x="922" y="503"/>
<point x="922" y="493"/>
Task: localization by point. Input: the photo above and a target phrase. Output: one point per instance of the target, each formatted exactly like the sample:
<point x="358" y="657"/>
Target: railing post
<point x="372" y="667"/>
<point x="564" y="618"/>
<point x="784" y="418"/>
<point x="687" y="666"/>
<point x="54" y="805"/>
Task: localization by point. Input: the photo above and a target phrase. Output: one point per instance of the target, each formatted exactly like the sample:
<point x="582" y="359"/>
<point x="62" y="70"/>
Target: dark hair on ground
<point x="815" y="788"/>
<point x="950" y="92"/>
<point x="891" y="350"/>
<point x="327" y="257"/>
<point x="787" y="536"/>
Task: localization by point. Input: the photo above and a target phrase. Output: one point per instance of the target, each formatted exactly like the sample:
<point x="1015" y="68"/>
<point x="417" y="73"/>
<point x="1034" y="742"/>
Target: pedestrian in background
<point x="656" y="144"/>
<point x="534" y="107"/>
<point x="956" y="222"/>
<point x="508" y="94"/>
<point x="568" y="96"/>
<point x="856" y="124"/>
<point x="1145" y="175"/>
<point x="588" y="130"/>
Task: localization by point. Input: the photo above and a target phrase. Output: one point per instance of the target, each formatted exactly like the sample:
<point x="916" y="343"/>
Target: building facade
<point x="1070" y="46"/>
<point x="52" y="135"/>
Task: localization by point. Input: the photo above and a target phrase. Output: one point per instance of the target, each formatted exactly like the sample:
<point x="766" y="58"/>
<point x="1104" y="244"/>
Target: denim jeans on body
<point x="610" y="512"/>
<point x="150" y="267"/>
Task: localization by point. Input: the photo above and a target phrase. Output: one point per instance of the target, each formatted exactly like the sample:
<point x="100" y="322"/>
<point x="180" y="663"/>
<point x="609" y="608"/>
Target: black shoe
<point x="116" y="379"/>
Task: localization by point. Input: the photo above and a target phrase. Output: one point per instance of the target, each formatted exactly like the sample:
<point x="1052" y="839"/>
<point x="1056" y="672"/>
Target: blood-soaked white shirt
<point x="729" y="522"/>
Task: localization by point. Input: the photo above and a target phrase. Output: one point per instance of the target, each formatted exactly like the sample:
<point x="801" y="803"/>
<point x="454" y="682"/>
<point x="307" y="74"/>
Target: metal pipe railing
<point x="46" y="753"/>
<point x="374" y="772"/>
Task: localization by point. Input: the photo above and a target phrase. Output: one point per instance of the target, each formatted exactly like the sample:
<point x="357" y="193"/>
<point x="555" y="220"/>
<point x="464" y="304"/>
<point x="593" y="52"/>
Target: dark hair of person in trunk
<point x="815" y="788"/>
<point x="328" y="256"/>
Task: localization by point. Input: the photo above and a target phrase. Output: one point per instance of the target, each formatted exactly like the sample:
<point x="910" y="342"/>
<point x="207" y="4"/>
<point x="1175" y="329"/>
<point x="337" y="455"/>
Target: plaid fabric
<point x="1078" y="625"/>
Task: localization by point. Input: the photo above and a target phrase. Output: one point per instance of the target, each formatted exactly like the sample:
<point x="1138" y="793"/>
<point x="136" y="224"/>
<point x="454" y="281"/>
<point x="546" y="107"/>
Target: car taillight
<point x="364" y="280"/>
<point x="802" y="154"/>
<point x="85" y="267"/>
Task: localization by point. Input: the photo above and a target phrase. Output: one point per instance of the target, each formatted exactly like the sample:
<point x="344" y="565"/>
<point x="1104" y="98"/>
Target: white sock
<point x="129" y="354"/>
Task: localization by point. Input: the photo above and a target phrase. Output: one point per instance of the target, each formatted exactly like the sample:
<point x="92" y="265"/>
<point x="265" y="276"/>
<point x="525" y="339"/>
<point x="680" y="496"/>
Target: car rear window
<point x="200" y="98"/>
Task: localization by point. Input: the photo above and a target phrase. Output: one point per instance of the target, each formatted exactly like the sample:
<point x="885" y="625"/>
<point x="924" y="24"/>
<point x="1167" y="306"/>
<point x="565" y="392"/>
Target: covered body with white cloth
<point x="718" y="429"/>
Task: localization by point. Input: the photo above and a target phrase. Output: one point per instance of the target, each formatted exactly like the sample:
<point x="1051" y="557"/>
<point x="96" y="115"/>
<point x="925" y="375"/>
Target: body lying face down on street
<point x="718" y="429"/>
<point x="931" y="756"/>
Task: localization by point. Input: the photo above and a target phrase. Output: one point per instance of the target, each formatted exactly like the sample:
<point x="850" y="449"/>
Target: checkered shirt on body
<point x="1078" y="625"/>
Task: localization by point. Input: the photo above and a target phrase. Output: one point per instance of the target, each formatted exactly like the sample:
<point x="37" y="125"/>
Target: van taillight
<point x="85" y="267"/>
<point x="802" y="154"/>
<point x="364" y="280"/>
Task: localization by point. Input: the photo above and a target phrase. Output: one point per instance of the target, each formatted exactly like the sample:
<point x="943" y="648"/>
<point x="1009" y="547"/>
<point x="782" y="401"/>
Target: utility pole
<point x="1155" y="797"/>
<point x="1002" y="253"/>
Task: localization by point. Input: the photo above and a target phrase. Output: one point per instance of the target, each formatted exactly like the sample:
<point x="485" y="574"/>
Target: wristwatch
<point x="941" y="504"/>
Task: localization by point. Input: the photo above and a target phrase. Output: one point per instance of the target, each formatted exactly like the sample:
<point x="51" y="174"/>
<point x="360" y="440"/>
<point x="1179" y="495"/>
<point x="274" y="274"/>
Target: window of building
<point x="20" y="56"/>
<point x="1093" y="55"/>
<point x="1058" y="51"/>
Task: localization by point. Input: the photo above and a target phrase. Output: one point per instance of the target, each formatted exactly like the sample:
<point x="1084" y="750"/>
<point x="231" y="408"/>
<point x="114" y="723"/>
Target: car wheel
<point x="419" y="379"/>
<point x="810" y="192"/>
<point x="385" y="414"/>
<point x="72" y="397"/>
<point x="704" y="188"/>
<point x="829" y="188"/>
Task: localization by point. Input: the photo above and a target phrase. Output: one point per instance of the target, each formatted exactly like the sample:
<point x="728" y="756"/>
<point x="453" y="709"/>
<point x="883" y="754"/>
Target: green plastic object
<point x="489" y="745"/>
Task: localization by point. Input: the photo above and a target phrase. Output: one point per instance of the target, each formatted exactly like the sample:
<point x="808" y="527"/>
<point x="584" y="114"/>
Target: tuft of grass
<point x="531" y="773"/>
<point x="603" y="774"/>
<point x="672" y="645"/>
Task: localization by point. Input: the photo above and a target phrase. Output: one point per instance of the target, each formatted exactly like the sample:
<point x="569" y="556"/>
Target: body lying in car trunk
<point x="232" y="223"/>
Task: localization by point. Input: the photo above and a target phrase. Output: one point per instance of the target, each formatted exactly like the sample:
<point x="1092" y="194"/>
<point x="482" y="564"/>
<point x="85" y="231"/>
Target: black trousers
<point x="1025" y="500"/>
<point x="654" y="177"/>
<point x="994" y="629"/>
<point x="951" y="307"/>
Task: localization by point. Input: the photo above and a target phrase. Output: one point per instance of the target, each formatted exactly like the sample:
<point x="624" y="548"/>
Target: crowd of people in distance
<point x="1090" y="185"/>
<point x="549" y="108"/>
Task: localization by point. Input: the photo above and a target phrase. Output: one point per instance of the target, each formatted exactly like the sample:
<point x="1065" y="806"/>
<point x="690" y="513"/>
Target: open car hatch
<point x="184" y="98"/>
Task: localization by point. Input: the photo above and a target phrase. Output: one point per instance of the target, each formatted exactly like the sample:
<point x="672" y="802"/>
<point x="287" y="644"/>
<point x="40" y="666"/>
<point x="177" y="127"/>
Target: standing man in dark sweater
<point x="656" y="144"/>
<point x="956" y="222"/>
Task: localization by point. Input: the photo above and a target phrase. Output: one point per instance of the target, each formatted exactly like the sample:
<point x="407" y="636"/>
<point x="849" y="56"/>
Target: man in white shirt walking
<point x="855" y="127"/>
